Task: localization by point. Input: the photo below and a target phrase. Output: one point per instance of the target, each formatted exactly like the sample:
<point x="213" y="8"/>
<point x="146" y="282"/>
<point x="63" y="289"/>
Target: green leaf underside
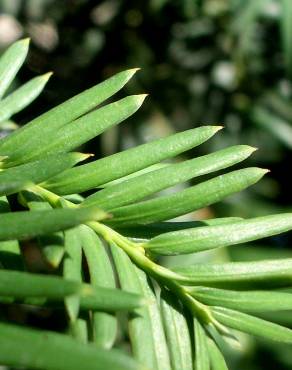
<point x="209" y="237"/>
<point x="50" y="351"/>
<point x="72" y="269"/>
<point x="105" y="325"/>
<point x="177" y="332"/>
<point x="201" y="352"/>
<point x="216" y="358"/>
<point x="253" y="301"/>
<point x="35" y="133"/>
<point x="145" y="327"/>
<point x="252" y="325"/>
<point x="22" y="284"/>
<point x="129" y="161"/>
<point x="188" y="200"/>
<point x="16" y="178"/>
<point x="155" y="229"/>
<point x="22" y="97"/>
<point x="140" y="187"/>
<point x="239" y="275"/>
<point x="91" y="298"/>
<point x="10" y="63"/>
<point x="26" y="224"/>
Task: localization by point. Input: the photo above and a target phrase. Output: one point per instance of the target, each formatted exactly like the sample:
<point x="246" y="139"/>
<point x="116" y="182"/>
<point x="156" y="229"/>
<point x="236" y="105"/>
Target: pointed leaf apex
<point x="133" y="70"/>
<point x="219" y="128"/>
<point x="140" y="98"/>
<point x="253" y="149"/>
<point x="46" y="76"/>
<point x="25" y="41"/>
<point x="84" y="156"/>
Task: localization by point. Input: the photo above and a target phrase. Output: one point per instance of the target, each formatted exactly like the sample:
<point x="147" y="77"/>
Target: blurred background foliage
<point x="223" y="62"/>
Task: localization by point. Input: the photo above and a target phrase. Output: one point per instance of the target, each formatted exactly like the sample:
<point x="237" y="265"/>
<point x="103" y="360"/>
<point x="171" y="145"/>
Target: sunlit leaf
<point x="209" y="237"/>
<point x="140" y="187"/>
<point x="190" y="199"/>
<point x="129" y="161"/>
<point x="26" y="224"/>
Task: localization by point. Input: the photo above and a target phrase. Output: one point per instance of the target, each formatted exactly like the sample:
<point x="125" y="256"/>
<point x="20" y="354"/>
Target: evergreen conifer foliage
<point x="103" y="249"/>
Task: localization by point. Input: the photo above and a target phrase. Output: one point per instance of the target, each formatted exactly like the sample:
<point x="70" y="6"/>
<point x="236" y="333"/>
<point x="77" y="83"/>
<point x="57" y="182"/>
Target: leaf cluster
<point x="104" y="247"/>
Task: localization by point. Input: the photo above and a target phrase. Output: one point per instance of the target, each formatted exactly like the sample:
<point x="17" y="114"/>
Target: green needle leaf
<point x="121" y="164"/>
<point x="239" y="275"/>
<point x="16" y="178"/>
<point x="201" y="351"/>
<point x="26" y="224"/>
<point x="23" y="96"/>
<point x="50" y="351"/>
<point x="102" y="275"/>
<point x="107" y="299"/>
<point x="216" y="358"/>
<point x="72" y="270"/>
<point x="85" y="128"/>
<point x="52" y="245"/>
<point x="140" y="187"/>
<point x="145" y="326"/>
<point x="177" y="332"/>
<point x="193" y="198"/>
<point x="10" y="63"/>
<point x="10" y="253"/>
<point x="37" y="132"/>
<point x="19" y="285"/>
<point x="155" y="229"/>
<point x="209" y="237"/>
<point x="253" y="301"/>
<point x="252" y="325"/>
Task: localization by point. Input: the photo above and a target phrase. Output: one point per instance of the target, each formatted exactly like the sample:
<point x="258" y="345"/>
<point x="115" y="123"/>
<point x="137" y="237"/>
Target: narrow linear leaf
<point x="145" y="326"/>
<point x="239" y="275"/>
<point x="129" y="161"/>
<point x="10" y="253"/>
<point x="190" y="199"/>
<point x="155" y="229"/>
<point x="79" y="330"/>
<point x="108" y="299"/>
<point x="52" y="245"/>
<point x="277" y="126"/>
<point x="216" y="358"/>
<point x="22" y="284"/>
<point x="177" y="332"/>
<point x="201" y="351"/>
<point x="151" y="168"/>
<point x="102" y="275"/>
<point x="23" y="96"/>
<point x="252" y="301"/>
<point x="147" y="184"/>
<point x="252" y="325"/>
<point x="72" y="270"/>
<point x="13" y="179"/>
<point x="91" y="298"/>
<point x="209" y="237"/>
<point x="82" y="130"/>
<point x="10" y="63"/>
<point x="50" y="351"/>
<point x="35" y="133"/>
<point x="26" y="224"/>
